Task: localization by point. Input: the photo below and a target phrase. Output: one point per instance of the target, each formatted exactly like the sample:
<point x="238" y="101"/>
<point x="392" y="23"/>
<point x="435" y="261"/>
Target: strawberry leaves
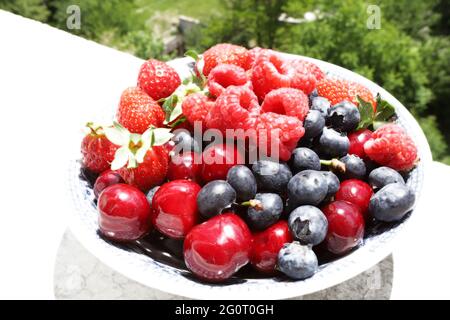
<point x="134" y="147"/>
<point x="172" y="105"/>
<point x="377" y="118"/>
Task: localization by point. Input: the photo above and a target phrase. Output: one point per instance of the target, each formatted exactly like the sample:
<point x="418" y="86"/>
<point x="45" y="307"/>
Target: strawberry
<point x="338" y="90"/>
<point x="158" y="79"/>
<point x="137" y="111"/>
<point x="223" y="53"/>
<point x="97" y="150"/>
<point x="142" y="160"/>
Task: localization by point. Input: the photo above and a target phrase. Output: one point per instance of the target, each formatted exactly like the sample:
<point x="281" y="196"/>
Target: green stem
<point x="253" y="203"/>
<point x="335" y="165"/>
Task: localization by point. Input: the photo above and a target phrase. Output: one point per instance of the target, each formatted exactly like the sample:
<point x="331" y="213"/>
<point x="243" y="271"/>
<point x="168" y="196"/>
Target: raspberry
<point x="303" y="75"/>
<point x="158" y="79"/>
<point x="225" y="75"/>
<point x="196" y="107"/>
<point x="224" y="53"/>
<point x="272" y="71"/>
<point x="338" y="90"/>
<point x="285" y="129"/>
<point x="267" y="74"/>
<point x="236" y="108"/>
<point x="313" y="68"/>
<point x="392" y="147"/>
<point x="252" y="55"/>
<point x="287" y="101"/>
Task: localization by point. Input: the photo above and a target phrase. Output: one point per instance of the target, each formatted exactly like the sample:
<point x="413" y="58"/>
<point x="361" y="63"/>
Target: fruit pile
<point x="342" y="163"/>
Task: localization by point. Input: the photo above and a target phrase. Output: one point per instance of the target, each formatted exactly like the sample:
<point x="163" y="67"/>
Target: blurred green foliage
<point x="409" y="55"/>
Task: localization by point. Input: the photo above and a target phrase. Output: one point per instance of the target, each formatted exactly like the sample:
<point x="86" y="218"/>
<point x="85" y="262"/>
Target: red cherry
<point x="345" y="226"/>
<point x="106" y="179"/>
<point x="357" y="141"/>
<point x="169" y="146"/>
<point x="267" y="244"/>
<point x="185" y="166"/>
<point x="218" y="159"/>
<point x="218" y="248"/>
<point x="357" y="192"/>
<point x="124" y="213"/>
<point x="175" y="209"/>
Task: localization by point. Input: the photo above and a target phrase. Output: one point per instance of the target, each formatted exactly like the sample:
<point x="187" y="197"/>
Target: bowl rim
<point x="349" y="266"/>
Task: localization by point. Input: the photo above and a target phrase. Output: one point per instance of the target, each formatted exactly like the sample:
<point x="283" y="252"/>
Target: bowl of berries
<point x="240" y="174"/>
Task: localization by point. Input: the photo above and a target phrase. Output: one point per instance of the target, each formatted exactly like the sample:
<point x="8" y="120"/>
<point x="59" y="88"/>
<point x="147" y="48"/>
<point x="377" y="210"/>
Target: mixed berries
<point x="330" y="160"/>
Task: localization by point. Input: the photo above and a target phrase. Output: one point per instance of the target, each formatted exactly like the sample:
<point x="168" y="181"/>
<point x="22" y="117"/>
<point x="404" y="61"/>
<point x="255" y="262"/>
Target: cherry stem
<point x="253" y="203"/>
<point x="334" y="164"/>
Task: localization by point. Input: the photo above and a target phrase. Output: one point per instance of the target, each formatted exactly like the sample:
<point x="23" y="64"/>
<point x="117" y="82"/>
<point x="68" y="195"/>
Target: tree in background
<point x="35" y="9"/>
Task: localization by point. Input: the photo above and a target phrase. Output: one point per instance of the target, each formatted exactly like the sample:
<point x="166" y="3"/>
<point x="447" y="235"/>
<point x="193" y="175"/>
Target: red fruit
<point x="313" y="68"/>
<point x="271" y="71"/>
<point x="185" y="166"/>
<point x="391" y="146"/>
<point x="287" y="101"/>
<point x="338" y="90"/>
<point x="158" y="79"/>
<point x="124" y="213"/>
<point x="218" y="159"/>
<point x="218" y="248"/>
<point x="236" y="108"/>
<point x="137" y="111"/>
<point x="98" y="152"/>
<point x="267" y="244"/>
<point x="253" y="55"/>
<point x="280" y="131"/>
<point x="196" y="107"/>
<point x="175" y="208"/>
<point x="345" y="226"/>
<point x="224" y="53"/>
<point x="357" y="141"/>
<point x="106" y="179"/>
<point x="225" y="75"/>
<point x="149" y="173"/>
<point x="357" y="192"/>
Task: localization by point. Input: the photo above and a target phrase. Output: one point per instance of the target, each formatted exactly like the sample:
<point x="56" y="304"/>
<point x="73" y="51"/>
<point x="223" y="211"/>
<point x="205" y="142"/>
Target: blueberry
<point x="151" y="193"/>
<point x="307" y="187"/>
<point x="382" y="176"/>
<point x="264" y="210"/>
<point x="312" y="95"/>
<point x="304" y="159"/>
<point x="344" y="116"/>
<point x="392" y="202"/>
<point x="215" y="197"/>
<point x="332" y="181"/>
<point x="313" y="124"/>
<point x="271" y="176"/>
<point x="333" y="143"/>
<point x="321" y="104"/>
<point x="297" y="261"/>
<point x="185" y="142"/>
<point x="308" y="225"/>
<point x="305" y="143"/>
<point x="243" y="182"/>
<point x="355" y="168"/>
